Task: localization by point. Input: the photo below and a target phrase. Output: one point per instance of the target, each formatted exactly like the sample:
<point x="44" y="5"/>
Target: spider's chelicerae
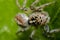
<point x="37" y="16"/>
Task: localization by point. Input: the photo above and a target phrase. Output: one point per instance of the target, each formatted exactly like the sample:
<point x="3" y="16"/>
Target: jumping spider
<point x="36" y="17"/>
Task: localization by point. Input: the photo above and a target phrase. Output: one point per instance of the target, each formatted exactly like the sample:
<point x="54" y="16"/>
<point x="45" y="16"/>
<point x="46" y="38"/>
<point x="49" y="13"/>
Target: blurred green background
<point x="8" y="26"/>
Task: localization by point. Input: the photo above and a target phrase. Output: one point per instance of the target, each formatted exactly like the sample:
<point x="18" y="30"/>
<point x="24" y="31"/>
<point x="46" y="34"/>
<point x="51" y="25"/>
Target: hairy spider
<point x="36" y="17"/>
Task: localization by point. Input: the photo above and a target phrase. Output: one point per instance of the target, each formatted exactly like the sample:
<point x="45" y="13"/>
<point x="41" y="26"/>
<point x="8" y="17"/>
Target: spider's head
<point x="39" y="18"/>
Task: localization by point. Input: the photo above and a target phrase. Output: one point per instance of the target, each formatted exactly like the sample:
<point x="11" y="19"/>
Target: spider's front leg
<point x="21" y="7"/>
<point x="32" y="7"/>
<point x="41" y="7"/>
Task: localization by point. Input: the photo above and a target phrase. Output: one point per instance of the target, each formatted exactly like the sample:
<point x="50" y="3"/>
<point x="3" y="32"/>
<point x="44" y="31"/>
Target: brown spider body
<point x="37" y="17"/>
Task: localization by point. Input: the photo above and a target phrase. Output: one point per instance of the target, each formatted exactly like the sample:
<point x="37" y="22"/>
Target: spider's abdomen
<point x="22" y="20"/>
<point x="39" y="18"/>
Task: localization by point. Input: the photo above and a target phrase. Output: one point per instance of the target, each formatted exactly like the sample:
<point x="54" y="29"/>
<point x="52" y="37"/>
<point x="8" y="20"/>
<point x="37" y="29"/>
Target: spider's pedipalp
<point x="21" y="7"/>
<point x="33" y="4"/>
<point x="44" y="5"/>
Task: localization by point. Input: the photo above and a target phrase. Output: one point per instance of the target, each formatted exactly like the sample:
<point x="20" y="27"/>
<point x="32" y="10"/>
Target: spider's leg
<point x="46" y="31"/>
<point x="51" y="34"/>
<point x="44" y="5"/>
<point x="46" y="28"/>
<point x="32" y="34"/>
<point x="22" y="30"/>
<point x="21" y="7"/>
<point x="19" y="30"/>
<point x="33" y="4"/>
<point x="55" y="31"/>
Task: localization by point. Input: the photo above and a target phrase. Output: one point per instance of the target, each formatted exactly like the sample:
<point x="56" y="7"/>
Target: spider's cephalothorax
<point x="37" y="17"/>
